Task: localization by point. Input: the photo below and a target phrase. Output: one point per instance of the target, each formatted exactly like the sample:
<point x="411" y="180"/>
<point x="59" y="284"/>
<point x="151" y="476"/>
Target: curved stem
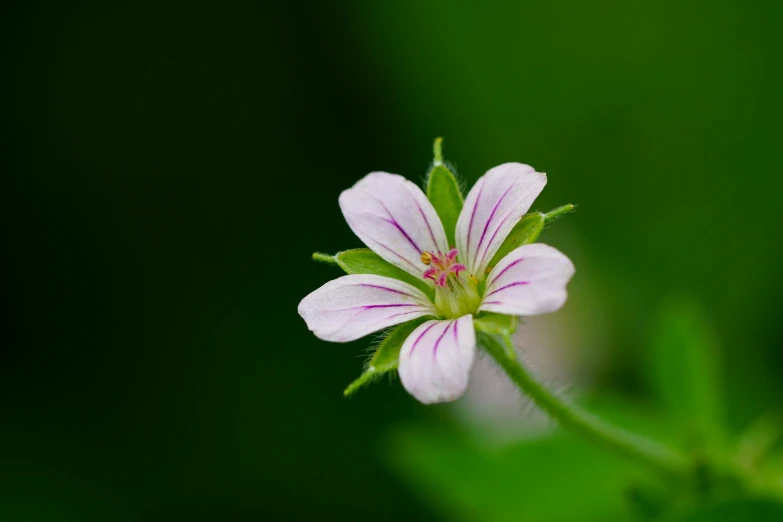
<point x="571" y="416"/>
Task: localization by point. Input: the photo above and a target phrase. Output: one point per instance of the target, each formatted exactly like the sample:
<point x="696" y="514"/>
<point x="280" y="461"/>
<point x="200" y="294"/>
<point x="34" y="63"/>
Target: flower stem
<point x="571" y="416"/>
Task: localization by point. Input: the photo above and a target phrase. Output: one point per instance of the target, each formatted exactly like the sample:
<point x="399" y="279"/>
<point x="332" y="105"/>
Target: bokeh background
<point x="168" y="168"/>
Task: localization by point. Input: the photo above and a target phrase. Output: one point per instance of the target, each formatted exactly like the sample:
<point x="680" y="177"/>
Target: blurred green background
<point x="169" y="167"/>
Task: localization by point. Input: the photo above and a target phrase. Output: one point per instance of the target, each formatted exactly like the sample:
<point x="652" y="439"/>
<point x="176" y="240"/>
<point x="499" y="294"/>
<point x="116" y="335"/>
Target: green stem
<point x="571" y="416"/>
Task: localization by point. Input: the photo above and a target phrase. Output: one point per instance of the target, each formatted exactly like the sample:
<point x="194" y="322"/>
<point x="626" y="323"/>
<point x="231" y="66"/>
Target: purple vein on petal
<point x="518" y="283"/>
<point x="396" y="224"/>
<point x="371" y="307"/>
<point x="437" y="343"/>
<point x="508" y="216"/>
<point x="489" y="220"/>
<point x="379" y="287"/>
<point x="395" y="305"/>
<point x="405" y="313"/>
<point x="404" y="233"/>
<point x="396" y="254"/>
<point x="351" y="223"/>
<point x="427" y="221"/>
<point x="472" y="217"/>
<point x="495" y="277"/>
<point x="364" y="309"/>
<point x="422" y="334"/>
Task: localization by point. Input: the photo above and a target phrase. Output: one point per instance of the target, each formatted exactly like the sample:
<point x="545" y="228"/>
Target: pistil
<point x="455" y="294"/>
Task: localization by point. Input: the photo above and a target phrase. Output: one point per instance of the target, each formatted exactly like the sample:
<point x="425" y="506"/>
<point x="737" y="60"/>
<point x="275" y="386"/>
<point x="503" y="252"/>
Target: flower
<point x="394" y="218"/>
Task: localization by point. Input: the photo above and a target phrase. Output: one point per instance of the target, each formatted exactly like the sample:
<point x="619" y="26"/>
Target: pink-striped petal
<point x="494" y="205"/>
<point x="435" y="360"/>
<point x="395" y="219"/>
<point x="353" y="306"/>
<point x="530" y="280"/>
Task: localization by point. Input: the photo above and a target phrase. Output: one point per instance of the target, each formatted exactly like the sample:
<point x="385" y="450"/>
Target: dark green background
<point x="168" y="169"/>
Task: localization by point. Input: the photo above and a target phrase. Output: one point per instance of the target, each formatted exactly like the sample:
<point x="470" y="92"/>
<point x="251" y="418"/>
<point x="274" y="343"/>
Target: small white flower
<point x="395" y="219"/>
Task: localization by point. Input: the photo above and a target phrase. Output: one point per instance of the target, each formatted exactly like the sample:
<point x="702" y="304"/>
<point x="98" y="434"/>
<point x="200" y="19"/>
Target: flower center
<point x="456" y="293"/>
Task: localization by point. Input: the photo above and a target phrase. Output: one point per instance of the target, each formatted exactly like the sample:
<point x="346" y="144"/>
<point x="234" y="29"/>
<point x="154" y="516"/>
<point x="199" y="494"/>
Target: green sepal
<point x="386" y="357"/>
<point x="526" y="231"/>
<point x="365" y="261"/>
<point x="444" y="193"/>
<point x="495" y="324"/>
<point x="559" y="212"/>
<point x="325" y="258"/>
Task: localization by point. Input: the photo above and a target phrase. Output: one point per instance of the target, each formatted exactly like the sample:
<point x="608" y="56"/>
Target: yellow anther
<point x="473" y="278"/>
<point x="426" y="258"/>
<point x="489" y="269"/>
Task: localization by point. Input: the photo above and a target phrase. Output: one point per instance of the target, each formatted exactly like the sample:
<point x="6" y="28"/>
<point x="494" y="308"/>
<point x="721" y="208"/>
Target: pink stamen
<point x="442" y="265"/>
<point x="442" y="279"/>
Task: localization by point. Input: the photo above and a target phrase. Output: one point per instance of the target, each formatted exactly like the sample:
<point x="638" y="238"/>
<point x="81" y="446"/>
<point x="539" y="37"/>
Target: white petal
<point x="494" y="205"/>
<point x="357" y="305"/>
<point x="394" y="218"/>
<point x="435" y="360"/>
<point x="530" y="280"/>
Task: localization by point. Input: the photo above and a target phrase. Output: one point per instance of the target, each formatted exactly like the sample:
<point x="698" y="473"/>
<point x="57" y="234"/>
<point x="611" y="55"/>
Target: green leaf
<point x="444" y="193"/>
<point x="365" y="261"/>
<point x="526" y="231"/>
<point x="386" y="357"/>
<point x="495" y="324"/>
<point x="684" y="369"/>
